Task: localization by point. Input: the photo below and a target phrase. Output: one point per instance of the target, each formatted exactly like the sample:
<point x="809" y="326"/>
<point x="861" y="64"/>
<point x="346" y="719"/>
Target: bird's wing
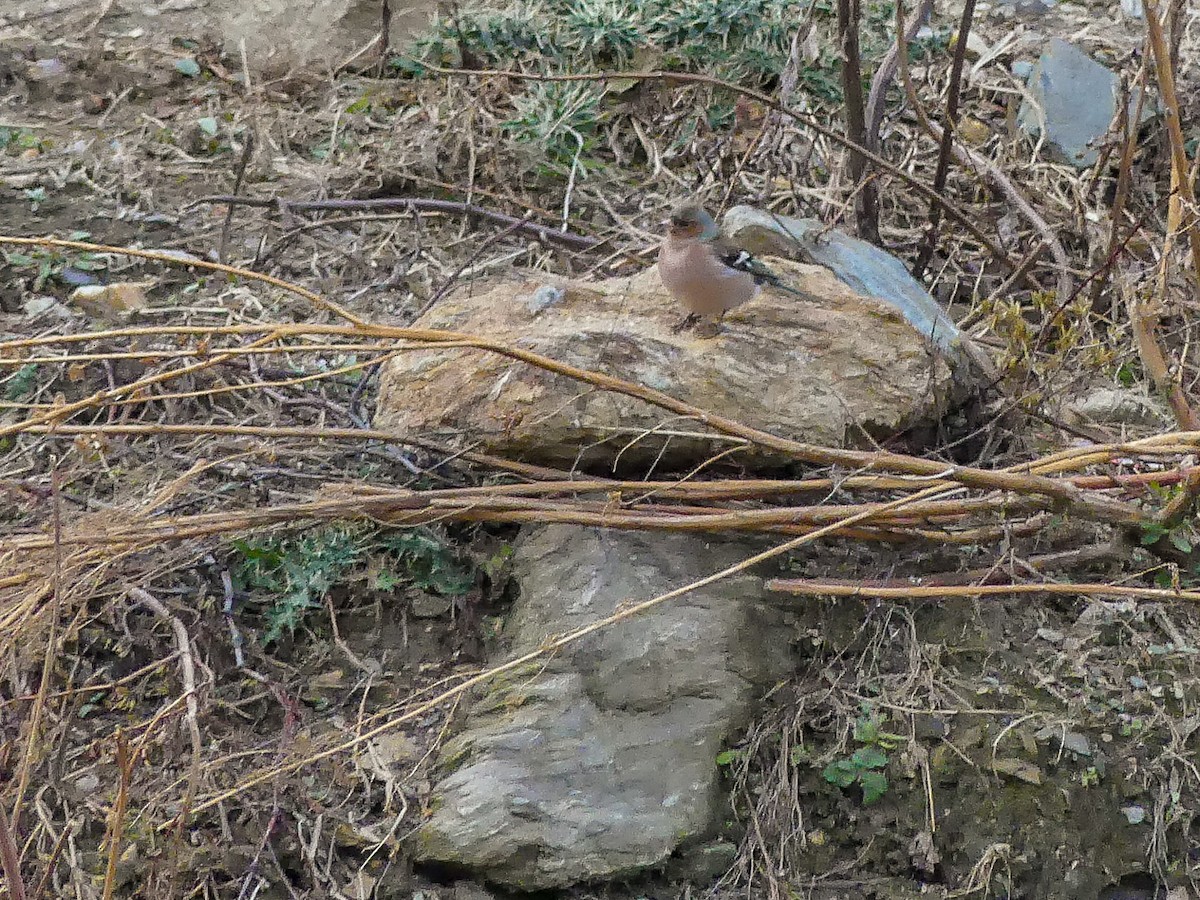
<point x="741" y="261"/>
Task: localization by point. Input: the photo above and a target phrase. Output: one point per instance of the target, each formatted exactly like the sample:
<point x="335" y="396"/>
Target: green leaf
<point x="840" y="772"/>
<point x="866" y="730"/>
<point x="22" y="383"/>
<point x="188" y="67"/>
<point x="362" y="104"/>
<point x="79" y="236"/>
<point x="869" y="758"/>
<point x="387" y="581"/>
<point x="874" y="786"/>
<point x="726" y="757"/>
<point x="1151" y="533"/>
<point x="208" y="125"/>
<point x="1180" y="542"/>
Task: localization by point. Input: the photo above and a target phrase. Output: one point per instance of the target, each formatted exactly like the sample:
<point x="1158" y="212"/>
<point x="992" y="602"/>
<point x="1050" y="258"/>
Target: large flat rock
<point x="827" y="366"/>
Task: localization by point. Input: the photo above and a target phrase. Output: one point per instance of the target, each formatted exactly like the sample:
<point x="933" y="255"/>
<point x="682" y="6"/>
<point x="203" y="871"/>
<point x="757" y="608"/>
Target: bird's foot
<point x="686" y="322"/>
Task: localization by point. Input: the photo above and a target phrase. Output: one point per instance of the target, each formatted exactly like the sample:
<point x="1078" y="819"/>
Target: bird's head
<point x="691" y="221"/>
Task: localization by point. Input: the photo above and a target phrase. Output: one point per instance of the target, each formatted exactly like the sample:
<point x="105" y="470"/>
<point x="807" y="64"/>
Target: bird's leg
<point x="686" y="322"/>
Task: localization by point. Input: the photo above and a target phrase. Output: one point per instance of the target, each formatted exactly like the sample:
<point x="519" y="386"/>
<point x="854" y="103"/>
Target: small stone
<point x="469" y="890"/>
<point x="1022" y="68"/>
<point x="926" y="727"/>
<point x="1077" y="743"/>
<point x="43" y="305"/>
<point x="1136" y="815"/>
<point x="88" y="783"/>
<point x="430" y="606"/>
<point x="545" y="296"/>
<point x="93" y="104"/>
<point x="1019" y="769"/>
<point x="105" y="301"/>
<point x="1073" y="98"/>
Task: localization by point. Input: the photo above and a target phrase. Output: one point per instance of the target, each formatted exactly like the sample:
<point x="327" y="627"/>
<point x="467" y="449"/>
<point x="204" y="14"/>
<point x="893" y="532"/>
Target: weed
<point x="729" y="757"/>
<point x="743" y="41"/>
<point x="864" y="766"/>
<point x="559" y="118"/>
<point x="296" y="572"/>
<point x="20" y="139"/>
<point x="53" y="266"/>
<point x="22" y="383"/>
<point x="427" y="563"/>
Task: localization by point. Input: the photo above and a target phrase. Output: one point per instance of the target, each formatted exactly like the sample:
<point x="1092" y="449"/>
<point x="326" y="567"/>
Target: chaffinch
<point x="707" y="276"/>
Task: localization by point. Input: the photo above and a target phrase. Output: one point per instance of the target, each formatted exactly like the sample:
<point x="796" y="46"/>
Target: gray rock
<point x="1074" y="99"/>
<point x="703" y="863"/>
<point x="823" y="365"/>
<point x="1105" y="405"/>
<point x="43" y="305"/>
<point x="859" y="264"/>
<point x="602" y="760"/>
<point x="1077" y="743"/>
<point x="1022" y="9"/>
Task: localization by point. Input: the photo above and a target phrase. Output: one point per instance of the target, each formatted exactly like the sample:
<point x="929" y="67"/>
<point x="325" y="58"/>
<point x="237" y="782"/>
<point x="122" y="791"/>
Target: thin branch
<point x="10" y="860"/>
<point x="866" y="204"/>
<point x="925" y="592"/>
<point x="882" y="80"/>
<point x="949" y="125"/>
<point x="968" y="157"/>
<point x="425" y="204"/>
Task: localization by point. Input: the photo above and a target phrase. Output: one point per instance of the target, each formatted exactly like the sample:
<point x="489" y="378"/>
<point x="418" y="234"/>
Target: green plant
<point x="22" y="383"/>
<point x="19" y="139"/>
<point x="52" y="265"/>
<point x="864" y="766"/>
<point x="558" y="118"/>
<point x="294" y="573"/>
<point x="427" y="563"/>
<point x="297" y="570"/>
<point x="607" y="31"/>
<point x="729" y="757"/>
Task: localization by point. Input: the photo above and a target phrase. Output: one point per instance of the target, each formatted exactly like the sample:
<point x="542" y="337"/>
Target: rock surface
<point x="861" y="265"/>
<point x="822" y="367"/>
<point x="602" y="760"/>
<point x="1075" y="99"/>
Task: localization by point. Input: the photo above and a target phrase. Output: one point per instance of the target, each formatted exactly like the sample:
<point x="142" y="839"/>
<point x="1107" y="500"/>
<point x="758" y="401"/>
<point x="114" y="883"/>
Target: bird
<point x="707" y="276"/>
